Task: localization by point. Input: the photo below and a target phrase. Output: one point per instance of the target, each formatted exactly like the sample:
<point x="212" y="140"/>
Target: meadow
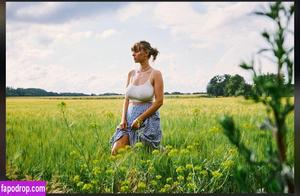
<point x="66" y="143"/>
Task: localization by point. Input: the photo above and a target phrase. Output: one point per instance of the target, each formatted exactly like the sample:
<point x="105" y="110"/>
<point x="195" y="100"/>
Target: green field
<point x="74" y="156"/>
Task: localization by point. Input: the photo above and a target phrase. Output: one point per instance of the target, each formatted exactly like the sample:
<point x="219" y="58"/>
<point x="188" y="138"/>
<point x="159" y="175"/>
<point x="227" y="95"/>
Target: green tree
<point x="235" y="86"/>
<point x="216" y="86"/>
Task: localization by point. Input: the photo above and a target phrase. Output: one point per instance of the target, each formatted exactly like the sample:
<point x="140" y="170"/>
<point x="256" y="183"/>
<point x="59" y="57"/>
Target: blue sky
<point x="85" y="47"/>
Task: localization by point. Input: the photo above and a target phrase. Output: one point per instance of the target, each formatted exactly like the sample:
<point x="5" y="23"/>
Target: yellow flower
<point x="138" y="145"/>
<point x="124" y="188"/>
<point x="76" y="178"/>
<point x="96" y="171"/>
<point x="173" y="152"/>
<point x="180" y="178"/>
<point x="169" y="180"/>
<point x="216" y="174"/>
<point x="198" y="168"/>
<point x="109" y="171"/>
<point x="184" y="151"/>
<point x="155" y="152"/>
<point x="169" y="147"/>
<point x="87" y="187"/>
<point x="158" y="177"/>
<point x="204" y="173"/>
<point x="180" y="169"/>
<point x="227" y="164"/>
<point x="79" y="184"/>
<point x="189" y="166"/>
<point x="191" y="186"/>
<point x="141" y="186"/>
<point x="189" y="147"/>
<point x="153" y="183"/>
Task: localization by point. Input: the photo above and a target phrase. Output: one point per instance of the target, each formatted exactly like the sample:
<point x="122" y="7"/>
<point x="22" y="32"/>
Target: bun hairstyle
<point x="144" y="45"/>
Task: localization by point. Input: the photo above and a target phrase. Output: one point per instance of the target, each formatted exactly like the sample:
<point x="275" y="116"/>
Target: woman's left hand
<point x="136" y="124"/>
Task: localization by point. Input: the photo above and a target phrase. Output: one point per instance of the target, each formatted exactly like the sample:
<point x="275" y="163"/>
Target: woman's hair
<point x="144" y="45"/>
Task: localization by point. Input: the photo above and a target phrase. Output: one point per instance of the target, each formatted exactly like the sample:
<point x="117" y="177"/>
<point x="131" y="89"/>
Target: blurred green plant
<point x="275" y="94"/>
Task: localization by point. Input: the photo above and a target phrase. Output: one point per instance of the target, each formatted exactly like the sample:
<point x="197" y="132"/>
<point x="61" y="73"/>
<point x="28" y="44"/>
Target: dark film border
<point x="2" y="92"/>
<point x="3" y="106"/>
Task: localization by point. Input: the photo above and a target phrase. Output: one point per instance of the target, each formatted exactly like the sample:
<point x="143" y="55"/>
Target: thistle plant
<point x="275" y="95"/>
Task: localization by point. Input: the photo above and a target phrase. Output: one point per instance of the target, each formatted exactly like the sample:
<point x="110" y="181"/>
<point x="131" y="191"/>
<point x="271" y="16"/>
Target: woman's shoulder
<point x="156" y="72"/>
<point x="131" y="72"/>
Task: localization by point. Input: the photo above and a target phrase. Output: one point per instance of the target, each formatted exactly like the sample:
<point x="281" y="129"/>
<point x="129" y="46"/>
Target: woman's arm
<point x="123" y="123"/>
<point x="159" y="98"/>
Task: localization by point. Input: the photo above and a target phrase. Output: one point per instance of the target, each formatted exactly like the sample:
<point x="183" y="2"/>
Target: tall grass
<point x="75" y="157"/>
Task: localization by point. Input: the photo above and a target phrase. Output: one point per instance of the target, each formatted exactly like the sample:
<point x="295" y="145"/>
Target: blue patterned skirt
<point x="149" y="132"/>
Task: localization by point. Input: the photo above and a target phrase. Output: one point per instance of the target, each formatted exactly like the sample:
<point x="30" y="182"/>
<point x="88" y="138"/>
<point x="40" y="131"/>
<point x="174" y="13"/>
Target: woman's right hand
<point x="123" y="125"/>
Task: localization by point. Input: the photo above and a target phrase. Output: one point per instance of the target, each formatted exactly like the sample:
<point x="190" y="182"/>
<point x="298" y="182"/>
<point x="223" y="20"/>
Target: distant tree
<point x="217" y="84"/>
<point x="176" y="93"/>
<point x="235" y="86"/>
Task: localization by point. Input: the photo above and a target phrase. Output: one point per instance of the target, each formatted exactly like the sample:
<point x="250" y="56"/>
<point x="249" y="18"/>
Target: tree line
<point x="228" y="85"/>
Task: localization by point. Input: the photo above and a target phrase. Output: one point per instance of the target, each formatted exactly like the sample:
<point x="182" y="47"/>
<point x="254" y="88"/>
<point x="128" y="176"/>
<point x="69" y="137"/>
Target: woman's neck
<point x="144" y="66"/>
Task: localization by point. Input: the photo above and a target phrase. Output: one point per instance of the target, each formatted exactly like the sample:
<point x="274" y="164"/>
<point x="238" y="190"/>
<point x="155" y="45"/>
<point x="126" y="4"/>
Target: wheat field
<point x="66" y="143"/>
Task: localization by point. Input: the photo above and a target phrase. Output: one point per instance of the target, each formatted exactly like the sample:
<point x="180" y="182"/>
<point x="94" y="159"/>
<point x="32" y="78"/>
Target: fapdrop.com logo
<point x="18" y="188"/>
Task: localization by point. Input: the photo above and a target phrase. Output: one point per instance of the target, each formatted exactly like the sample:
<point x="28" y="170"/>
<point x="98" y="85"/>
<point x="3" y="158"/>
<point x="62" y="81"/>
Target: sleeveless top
<point x="140" y="93"/>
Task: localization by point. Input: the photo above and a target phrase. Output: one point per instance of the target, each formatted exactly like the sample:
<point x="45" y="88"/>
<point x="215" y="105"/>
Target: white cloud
<point x="38" y="10"/>
<point x="106" y="34"/>
<point x="132" y="10"/>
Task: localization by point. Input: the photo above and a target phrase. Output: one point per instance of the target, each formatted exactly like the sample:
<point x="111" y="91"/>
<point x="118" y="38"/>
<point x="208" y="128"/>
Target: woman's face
<point x="139" y="56"/>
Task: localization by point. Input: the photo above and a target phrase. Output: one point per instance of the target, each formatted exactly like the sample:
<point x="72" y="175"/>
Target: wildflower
<point x="151" y="169"/>
<point x="180" y="169"/>
<point x="148" y="162"/>
<point x="198" y="168"/>
<point x="180" y="178"/>
<point x="124" y="188"/>
<point x="173" y="152"/>
<point x="184" y="151"/>
<point x="189" y="147"/>
<point x="169" y="180"/>
<point x="109" y="172"/>
<point x="158" y="177"/>
<point x="94" y="182"/>
<point x="95" y="162"/>
<point x="155" y="152"/>
<point x="189" y="178"/>
<point x="216" y="174"/>
<point x="153" y="183"/>
<point x="141" y="186"/>
<point x="191" y="186"/>
<point x="138" y="145"/>
<point x="87" y="187"/>
<point x="76" y="178"/>
<point x="96" y="171"/>
<point x="227" y="164"/>
<point x="175" y="184"/>
<point x="169" y="147"/>
<point x="189" y="166"/>
<point x="204" y="173"/>
<point x="167" y="187"/>
<point x="125" y="182"/>
<point x="79" y="184"/>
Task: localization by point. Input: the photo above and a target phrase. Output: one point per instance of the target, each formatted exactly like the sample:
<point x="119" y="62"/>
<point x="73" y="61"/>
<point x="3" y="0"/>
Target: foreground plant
<point x="275" y="96"/>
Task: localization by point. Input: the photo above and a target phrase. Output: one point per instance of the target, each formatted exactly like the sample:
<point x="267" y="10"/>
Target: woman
<point x="140" y="117"/>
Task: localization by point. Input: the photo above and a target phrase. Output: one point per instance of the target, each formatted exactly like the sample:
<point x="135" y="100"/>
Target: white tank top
<point x="140" y="93"/>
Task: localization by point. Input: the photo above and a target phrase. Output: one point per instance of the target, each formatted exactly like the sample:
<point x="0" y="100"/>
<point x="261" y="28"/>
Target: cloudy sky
<point x="85" y="47"/>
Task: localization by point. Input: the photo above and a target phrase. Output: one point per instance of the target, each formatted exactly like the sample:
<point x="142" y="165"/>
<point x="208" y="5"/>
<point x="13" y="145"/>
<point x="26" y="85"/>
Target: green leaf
<point x="245" y="66"/>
